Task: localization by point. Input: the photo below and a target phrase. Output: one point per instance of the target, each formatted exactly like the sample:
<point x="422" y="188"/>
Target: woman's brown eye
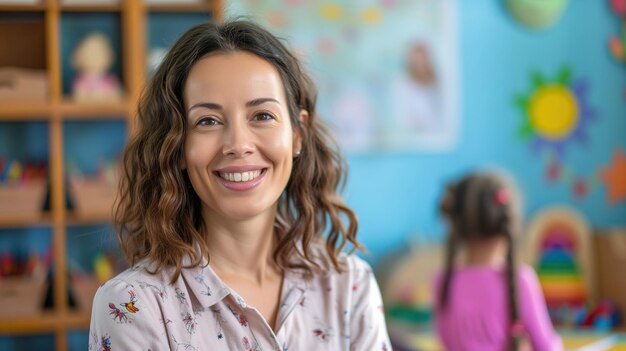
<point x="264" y="117"/>
<point x="207" y="121"/>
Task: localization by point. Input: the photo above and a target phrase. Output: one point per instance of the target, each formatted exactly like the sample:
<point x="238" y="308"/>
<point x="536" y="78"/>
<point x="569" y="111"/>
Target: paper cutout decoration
<point x="558" y="245"/>
<point x="557" y="112"/>
<point x="617" y="46"/>
<point x="614" y="177"/>
<point x="619" y="7"/>
<point x="536" y="14"/>
<point x="617" y="43"/>
<point x="581" y="185"/>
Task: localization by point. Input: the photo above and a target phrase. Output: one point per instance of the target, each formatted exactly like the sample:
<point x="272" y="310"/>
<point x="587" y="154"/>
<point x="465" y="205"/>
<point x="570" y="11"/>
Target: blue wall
<point x="395" y="194"/>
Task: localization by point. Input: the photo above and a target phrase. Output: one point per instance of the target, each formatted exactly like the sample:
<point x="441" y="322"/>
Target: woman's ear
<point x="298" y="132"/>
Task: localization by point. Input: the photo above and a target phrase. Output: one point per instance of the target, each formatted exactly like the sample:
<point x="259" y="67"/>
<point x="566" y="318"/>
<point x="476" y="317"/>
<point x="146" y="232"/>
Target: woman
<point x="229" y="211"/>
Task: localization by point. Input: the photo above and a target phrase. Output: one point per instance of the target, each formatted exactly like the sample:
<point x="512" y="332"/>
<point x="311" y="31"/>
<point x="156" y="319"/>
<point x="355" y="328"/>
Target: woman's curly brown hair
<point x="158" y="215"/>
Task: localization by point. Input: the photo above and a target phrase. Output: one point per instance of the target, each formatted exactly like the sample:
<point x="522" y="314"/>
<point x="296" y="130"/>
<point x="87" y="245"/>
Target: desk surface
<point x="573" y="340"/>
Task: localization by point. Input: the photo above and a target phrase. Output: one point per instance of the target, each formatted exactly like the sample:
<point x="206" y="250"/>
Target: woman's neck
<point x="242" y="249"/>
<point x="486" y="252"/>
<point x="241" y="254"/>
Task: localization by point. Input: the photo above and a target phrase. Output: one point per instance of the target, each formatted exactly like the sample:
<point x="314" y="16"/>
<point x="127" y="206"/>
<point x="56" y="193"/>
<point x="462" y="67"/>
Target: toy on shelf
<point x="22" y="282"/>
<point x="23" y="85"/>
<point x="92" y="60"/>
<point x="93" y="195"/>
<point x="22" y="187"/>
<point x="602" y="317"/>
<point x="407" y="290"/>
<point x="559" y="247"/>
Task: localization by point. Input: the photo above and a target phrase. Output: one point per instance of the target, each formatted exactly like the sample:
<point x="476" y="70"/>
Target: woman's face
<point x="240" y="143"/>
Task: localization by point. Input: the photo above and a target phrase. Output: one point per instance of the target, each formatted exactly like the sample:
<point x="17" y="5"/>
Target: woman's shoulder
<point x="352" y="269"/>
<point x="349" y="263"/>
<point x="356" y="265"/>
<point x="138" y="280"/>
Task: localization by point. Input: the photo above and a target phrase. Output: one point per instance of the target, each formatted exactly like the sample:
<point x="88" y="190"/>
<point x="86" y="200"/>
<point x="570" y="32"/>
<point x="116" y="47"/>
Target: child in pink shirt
<point x="486" y="302"/>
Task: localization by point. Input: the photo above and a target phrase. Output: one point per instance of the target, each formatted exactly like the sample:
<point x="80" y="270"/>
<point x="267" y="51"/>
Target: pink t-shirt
<point x="477" y="315"/>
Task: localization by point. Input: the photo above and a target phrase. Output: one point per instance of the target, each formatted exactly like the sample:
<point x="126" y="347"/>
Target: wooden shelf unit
<point x="133" y="15"/>
<point x="22" y="8"/>
<point x="24" y="221"/>
<point x="45" y="322"/>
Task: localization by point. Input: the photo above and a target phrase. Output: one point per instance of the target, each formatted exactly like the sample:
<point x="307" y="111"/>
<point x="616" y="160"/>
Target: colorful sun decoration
<point x="557" y="112"/>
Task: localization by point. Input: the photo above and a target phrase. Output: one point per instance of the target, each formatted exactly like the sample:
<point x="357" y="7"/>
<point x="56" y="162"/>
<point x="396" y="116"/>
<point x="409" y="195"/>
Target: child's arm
<point x="534" y="313"/>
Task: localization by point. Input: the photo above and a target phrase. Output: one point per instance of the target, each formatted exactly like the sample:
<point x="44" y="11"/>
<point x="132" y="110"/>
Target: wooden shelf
<point x="74" y="219"/>
<point x="45" y="322"/>
<point x="78" y="320"/>
<point x="91" y="8"/>
<point x="180" y="7"/>
<point x="66" y="110"/>
<point x="22" y="8"/>
<point x="24" y="221"/>
<point x="40" y="323"/>
<point x="24" y="111"/>
<point x="71" y="110"/>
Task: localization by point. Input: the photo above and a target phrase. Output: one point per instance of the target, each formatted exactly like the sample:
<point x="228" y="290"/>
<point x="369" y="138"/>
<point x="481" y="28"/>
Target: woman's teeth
<point x="240" y="177"/>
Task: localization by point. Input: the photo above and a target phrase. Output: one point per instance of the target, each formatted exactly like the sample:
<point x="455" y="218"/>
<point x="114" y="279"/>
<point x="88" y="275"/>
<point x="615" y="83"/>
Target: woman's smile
<point x="241" y="180"/>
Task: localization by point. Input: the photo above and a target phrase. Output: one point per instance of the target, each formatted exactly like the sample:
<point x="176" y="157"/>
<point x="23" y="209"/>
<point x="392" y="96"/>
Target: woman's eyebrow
<point x="209" y="105"/>
<point x="215" y="106"/>
<point x="260" y="101"/>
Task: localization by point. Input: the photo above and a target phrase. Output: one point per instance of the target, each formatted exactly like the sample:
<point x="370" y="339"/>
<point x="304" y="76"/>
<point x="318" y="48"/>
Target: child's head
<point x="481" y="205"/>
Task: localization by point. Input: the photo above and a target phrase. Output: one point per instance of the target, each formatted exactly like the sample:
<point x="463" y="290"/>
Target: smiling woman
<point x="229" y="203"/>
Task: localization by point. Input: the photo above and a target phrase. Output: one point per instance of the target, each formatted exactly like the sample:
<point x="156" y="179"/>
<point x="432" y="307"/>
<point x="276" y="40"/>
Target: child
<point x="482" y="304"/>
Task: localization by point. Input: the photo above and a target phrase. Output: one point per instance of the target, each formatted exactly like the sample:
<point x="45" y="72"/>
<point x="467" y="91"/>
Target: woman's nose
<point x="238" y="140"/>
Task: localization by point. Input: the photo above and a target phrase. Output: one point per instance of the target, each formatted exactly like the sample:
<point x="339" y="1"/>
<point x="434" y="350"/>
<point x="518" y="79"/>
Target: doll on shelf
<point x="92" y="60"/>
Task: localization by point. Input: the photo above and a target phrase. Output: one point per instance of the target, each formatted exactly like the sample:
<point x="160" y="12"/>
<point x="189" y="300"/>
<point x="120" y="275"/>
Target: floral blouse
<point x="326" y="311"/>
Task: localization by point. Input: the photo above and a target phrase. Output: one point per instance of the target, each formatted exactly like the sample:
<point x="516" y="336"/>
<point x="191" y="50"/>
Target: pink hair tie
<point x="502" y="196"/>
<point x="517" y="329"/>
